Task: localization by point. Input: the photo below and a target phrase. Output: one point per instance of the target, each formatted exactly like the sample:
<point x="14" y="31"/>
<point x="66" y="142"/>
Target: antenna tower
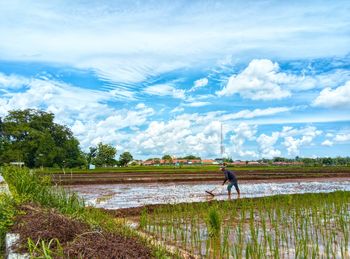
<point x="222" y="148"/>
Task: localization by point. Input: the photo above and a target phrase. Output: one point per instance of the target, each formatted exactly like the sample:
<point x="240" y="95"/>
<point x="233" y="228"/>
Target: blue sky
<point x="161" y="77"/>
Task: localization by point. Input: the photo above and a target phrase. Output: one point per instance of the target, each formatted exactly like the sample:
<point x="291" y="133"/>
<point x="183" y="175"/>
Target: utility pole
<point x="222" y="148"/>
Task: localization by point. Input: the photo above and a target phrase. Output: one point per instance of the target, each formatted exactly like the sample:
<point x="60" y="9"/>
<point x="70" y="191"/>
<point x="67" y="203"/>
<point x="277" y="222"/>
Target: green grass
<point x="284" y="226"/>
<point x="27" y="186"/>
<point x="8" y="212"/>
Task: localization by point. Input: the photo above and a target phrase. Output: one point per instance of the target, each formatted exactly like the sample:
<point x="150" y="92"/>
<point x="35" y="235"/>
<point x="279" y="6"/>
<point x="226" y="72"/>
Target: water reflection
<point x="113" y="196"/>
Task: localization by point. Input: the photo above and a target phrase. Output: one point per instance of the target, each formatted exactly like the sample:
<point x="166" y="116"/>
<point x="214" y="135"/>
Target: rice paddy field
<point x="126" y="195"/>
<point x="293" y="218"/>
<point x="283" y="226"/>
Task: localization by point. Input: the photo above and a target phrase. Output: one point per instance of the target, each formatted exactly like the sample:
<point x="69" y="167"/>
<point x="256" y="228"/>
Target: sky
<point x="163" y="77"/>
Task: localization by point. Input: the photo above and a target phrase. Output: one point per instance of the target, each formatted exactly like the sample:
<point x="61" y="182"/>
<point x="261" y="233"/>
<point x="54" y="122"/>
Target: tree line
<point x="318" y="161"/>
<point x="31" y="136"/>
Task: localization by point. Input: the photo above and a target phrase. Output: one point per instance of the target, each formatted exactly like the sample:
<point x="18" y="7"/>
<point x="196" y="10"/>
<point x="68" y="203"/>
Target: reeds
<point x="27" y="185"/>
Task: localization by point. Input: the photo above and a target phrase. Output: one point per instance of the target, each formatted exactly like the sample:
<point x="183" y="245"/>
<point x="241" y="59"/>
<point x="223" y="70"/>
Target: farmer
<point x="231" y="177"/>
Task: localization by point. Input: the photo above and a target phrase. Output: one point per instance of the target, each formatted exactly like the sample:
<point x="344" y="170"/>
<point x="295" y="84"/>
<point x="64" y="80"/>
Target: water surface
<point x="114" y="196"/>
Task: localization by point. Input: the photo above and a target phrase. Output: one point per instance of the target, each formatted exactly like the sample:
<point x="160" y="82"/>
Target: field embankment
<point x="193" y="174"/>
<point x="54" y="223"/>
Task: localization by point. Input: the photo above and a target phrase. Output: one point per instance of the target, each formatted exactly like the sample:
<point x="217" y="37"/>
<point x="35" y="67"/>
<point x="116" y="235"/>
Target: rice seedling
<point x="300" y="226"/>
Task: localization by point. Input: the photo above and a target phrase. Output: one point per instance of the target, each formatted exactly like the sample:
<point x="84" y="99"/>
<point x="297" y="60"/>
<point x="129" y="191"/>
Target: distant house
<point x="194" y="162"/>
<point x="135" y="162"/>
<point x="253" y="163"/>
<point x="19" y="164"/>
<point x="148" y="162"/>
<point x="238" y="162"/>
<point x="208" y="162"/>
<point x="219" y="160"/>
<point x="180" y="161"/>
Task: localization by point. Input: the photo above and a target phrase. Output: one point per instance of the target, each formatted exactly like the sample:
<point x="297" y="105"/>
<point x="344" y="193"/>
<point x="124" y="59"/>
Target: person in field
<point x="230" y="176"/>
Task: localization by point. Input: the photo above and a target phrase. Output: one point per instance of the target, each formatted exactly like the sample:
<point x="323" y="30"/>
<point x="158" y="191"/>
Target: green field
<point x="288" y="226"/>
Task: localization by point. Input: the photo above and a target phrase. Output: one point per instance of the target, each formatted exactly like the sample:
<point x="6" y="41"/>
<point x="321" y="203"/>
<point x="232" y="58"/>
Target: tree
<point x="125" y="158"/>
<point x="191" y="157"/>
<point x="105" y="155"/>
<point x="32" y="137"/>
<point x="168" y="159"/>
<point x="227" y="160"/>
<point x="91" y="155"/>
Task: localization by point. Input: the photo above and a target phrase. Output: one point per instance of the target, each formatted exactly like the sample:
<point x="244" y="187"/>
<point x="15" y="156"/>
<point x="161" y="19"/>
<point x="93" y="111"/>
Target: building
<point x="208" y="162"/>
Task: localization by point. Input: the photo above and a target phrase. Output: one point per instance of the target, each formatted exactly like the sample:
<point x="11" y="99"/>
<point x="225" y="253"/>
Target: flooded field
<point x="285" y="226"/>
<point x="115" y="196"/>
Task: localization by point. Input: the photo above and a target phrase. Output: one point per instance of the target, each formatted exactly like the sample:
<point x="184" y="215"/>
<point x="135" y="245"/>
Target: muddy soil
<point x="77" y="239"/>
<point x="147" y="177"/>
<point x="118" y="196"/>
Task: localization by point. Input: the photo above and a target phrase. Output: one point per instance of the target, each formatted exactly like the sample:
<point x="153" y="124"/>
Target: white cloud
<point x="165" y="90"/>
<point x="242" y="133"/>
<point x="261" y="80"/>
<point x="197" y="104"/>
<point x="177" y="109"/>
<point x="84" y="110"/>
<point x="334" y="98"/>
<point x="329" y="135"/>
<point x="343" y="137"/>
<point x="132" y="41"/>
<point x="178" y="137"/>
<point x="249" y="114"/>
<point x="327" y="143"/>
<point x="339" y="138"/>
<point x="12" y="81"/>
<point x="140" y="106"/>
<point x="199" y="83"/>
<point x="295" y="138"/>
<point x="266" y="145"/>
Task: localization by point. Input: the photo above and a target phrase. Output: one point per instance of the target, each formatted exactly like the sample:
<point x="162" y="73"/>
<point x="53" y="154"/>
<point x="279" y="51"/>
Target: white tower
<point x="222" y="148"/>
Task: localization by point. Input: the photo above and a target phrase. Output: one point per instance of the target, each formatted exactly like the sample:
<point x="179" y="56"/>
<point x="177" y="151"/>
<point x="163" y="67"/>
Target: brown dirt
<point x="132" y="212"/>
<point x="97" y="245"/>
<point x="75" y="237"/>
<point x="38" y="224"/>
<point x="147" y="177"/>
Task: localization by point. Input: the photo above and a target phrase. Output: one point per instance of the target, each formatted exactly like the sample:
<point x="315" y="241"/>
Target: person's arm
<point x="226" y="178"/>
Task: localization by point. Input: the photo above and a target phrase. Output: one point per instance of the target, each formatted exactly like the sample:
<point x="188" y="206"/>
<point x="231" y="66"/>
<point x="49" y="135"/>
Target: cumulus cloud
<point x="199" y="83"/>
<point x="84" y="110"/>
<point x="12" y="81"/>
<point x="165" y="90"/>
<point x="263" y="80"/>
<point x="178" y="137"/>
<point x="242" y="133"/>
<point x="295" y="138"/>
<point x="61" y="98"/>
<point x="342" y="137"/>
<point x="327" y="143"/>
<point x="334" y="98"/>
<point x="140" y="106"/>
<point x="339" y="138"/>
<point x="266" y="145"/>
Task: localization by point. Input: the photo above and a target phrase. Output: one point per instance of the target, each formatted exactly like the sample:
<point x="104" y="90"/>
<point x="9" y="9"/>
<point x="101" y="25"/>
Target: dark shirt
<point x="230" y="176"/>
